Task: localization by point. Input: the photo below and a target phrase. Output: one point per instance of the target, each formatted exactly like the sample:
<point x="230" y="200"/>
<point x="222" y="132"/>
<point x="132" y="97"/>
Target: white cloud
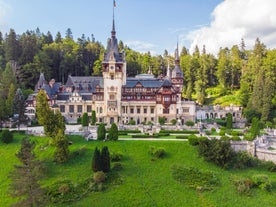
<point x="141" y="46"/>
<point x="237" y="19"/>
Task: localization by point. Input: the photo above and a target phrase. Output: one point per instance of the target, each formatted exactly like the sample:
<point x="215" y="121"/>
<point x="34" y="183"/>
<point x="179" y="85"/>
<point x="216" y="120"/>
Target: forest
<point x="235" y="75"/>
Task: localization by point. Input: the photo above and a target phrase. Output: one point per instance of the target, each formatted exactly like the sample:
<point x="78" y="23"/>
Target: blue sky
<point x="148" y="25"/>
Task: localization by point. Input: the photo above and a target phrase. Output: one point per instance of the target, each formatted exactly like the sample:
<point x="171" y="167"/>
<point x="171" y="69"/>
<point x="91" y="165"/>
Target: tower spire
<point x="113" y="32"/>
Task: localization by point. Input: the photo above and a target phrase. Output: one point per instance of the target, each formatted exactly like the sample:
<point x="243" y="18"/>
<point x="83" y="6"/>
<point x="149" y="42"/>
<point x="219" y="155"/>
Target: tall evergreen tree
<point x="93" y="117"/>
<point x="105" y="159"/>
<point x="12" y="47"/>
<point x="229" y="121"/>
<point x="84" y="120"/>
<point x="62" y="150"/>
<point x="25" y="178"/>
<point x="10" y="101"/>
<point x="101" y="132"/>
<point x="42" y="107"/>
<point x="113" y="132"/>
<point x="96" y="161"/>
<point x="19" y="108"/>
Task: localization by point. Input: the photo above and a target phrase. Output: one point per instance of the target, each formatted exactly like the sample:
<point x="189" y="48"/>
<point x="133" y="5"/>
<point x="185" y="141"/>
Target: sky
<point x="149" y="25"/>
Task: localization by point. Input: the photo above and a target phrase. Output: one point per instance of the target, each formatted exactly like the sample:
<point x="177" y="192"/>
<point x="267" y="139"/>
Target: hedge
<point x="145" y="136"/>
<point x="179" y="131"/>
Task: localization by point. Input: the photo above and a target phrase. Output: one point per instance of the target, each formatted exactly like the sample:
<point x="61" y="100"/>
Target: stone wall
<point x="250" y="147"/>
<point x="266" y="155"/>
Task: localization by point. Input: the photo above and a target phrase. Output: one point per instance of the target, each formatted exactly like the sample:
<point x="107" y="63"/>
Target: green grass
<point x="144" y="182"/>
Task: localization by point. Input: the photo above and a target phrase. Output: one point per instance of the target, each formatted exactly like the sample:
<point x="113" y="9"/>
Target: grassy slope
<point x="144" y="182"/>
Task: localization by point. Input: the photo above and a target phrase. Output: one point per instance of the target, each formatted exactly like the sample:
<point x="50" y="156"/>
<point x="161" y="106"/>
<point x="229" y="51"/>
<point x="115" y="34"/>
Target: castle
<point x="118" y="98"/>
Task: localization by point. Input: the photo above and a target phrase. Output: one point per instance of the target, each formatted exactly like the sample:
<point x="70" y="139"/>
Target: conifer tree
<point x="96" y="161"/>
<point x="84" y="120"/>
<point x="26" y="176"/>
<point x="113" y="132"/>
<point x="101" y="132"/>
<point x="229" y="121"/>
<point x="62" y="150"/>
<point x="93" y="118"/>
<point x="105" y="160"/>
<point x="19" y="108"/>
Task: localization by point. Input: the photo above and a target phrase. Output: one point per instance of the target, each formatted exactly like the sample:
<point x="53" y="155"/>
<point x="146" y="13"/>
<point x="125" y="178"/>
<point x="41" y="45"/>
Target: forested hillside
<point x="235" y="75"/>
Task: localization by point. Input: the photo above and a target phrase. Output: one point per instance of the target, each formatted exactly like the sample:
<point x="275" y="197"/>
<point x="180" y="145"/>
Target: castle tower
<point x="177" y="75"/>
<point x="114" y="75"/>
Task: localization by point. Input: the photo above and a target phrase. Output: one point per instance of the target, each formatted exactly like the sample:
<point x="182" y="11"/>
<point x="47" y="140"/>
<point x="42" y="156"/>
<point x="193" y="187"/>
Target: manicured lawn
<point x="142" y="181"/>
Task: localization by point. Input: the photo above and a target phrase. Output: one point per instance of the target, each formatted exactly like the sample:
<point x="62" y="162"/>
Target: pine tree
<point x="62" y="150"/>
<point x="101" y="132"/>
<point x="19" y="108"/>
<point x="113" y="132"/>
<point x="96" y="161"/>
<point x="105" y="160"/>
<point x="26" y="176"/>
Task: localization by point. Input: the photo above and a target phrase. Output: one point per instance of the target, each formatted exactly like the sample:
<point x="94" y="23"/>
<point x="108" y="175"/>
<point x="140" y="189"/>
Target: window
<point x="62" y="108"/>
<point x="166" y="111"/>
<point x="166" y="98"/>
<point x="112" y="77"/>
<point x="138" y="110"/>
<point x="112" y="97"/>
<point x="79" y="108"/>
<point x="152" y="110"/>
<point x="185" y="109"/>
<point x="145" y="110"/>
<point x="131" y="110"/>
<point x="71" y="108"/>
<point x="88" y="108"/>
<point x="101" y="110"/>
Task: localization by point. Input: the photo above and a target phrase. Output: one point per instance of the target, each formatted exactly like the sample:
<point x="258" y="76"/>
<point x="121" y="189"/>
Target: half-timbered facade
<point x="118" y="98"/>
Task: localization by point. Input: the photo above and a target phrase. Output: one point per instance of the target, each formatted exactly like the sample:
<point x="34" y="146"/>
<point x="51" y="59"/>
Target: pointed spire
<point x="113" y="32"/>
<point x="177" y="52"/>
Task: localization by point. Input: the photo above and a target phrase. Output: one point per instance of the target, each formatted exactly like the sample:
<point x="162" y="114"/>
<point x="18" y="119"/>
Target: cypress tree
<point x="84" y="120"/>
<point x="113" y="133"/>
<point x="93" y="118"/>
<point x="96" y="161"/>
<point x="229" y="121"/>
<point x="101" y="132"/>
<point x="105" y="159"/>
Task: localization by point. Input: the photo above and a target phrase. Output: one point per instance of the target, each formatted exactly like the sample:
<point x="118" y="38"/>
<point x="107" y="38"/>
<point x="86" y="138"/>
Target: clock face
<point x="111" y="67"/>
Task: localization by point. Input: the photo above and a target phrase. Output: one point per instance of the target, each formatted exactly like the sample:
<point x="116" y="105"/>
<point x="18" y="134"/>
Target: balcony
<point x="112" y="103"/>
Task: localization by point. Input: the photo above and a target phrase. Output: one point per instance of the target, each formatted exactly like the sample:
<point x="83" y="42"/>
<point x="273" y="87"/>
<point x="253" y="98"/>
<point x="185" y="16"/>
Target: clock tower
<point x="114" y="76"/>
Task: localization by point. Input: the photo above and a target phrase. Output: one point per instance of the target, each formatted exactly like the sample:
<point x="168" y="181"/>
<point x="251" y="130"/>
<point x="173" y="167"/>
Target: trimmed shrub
<point x="181" y="137"/>
<point x="189" y="123"/>
<point x="99" y="177"/>
<point x="116" y="156"/>
<point x="225" y="138"/>
<point x="179" y="131"/>
<point x="213" y="130"/>
<point x="131" y="122"/>
<point x="221" y="132"/>
<point x="6" y="136"/>
<point x="173" y="121"/>
<point x="262" y="181"/>
<point x="157" y="152"/>
<point x="194" y="140"/>
<point x="235" y="138"/>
